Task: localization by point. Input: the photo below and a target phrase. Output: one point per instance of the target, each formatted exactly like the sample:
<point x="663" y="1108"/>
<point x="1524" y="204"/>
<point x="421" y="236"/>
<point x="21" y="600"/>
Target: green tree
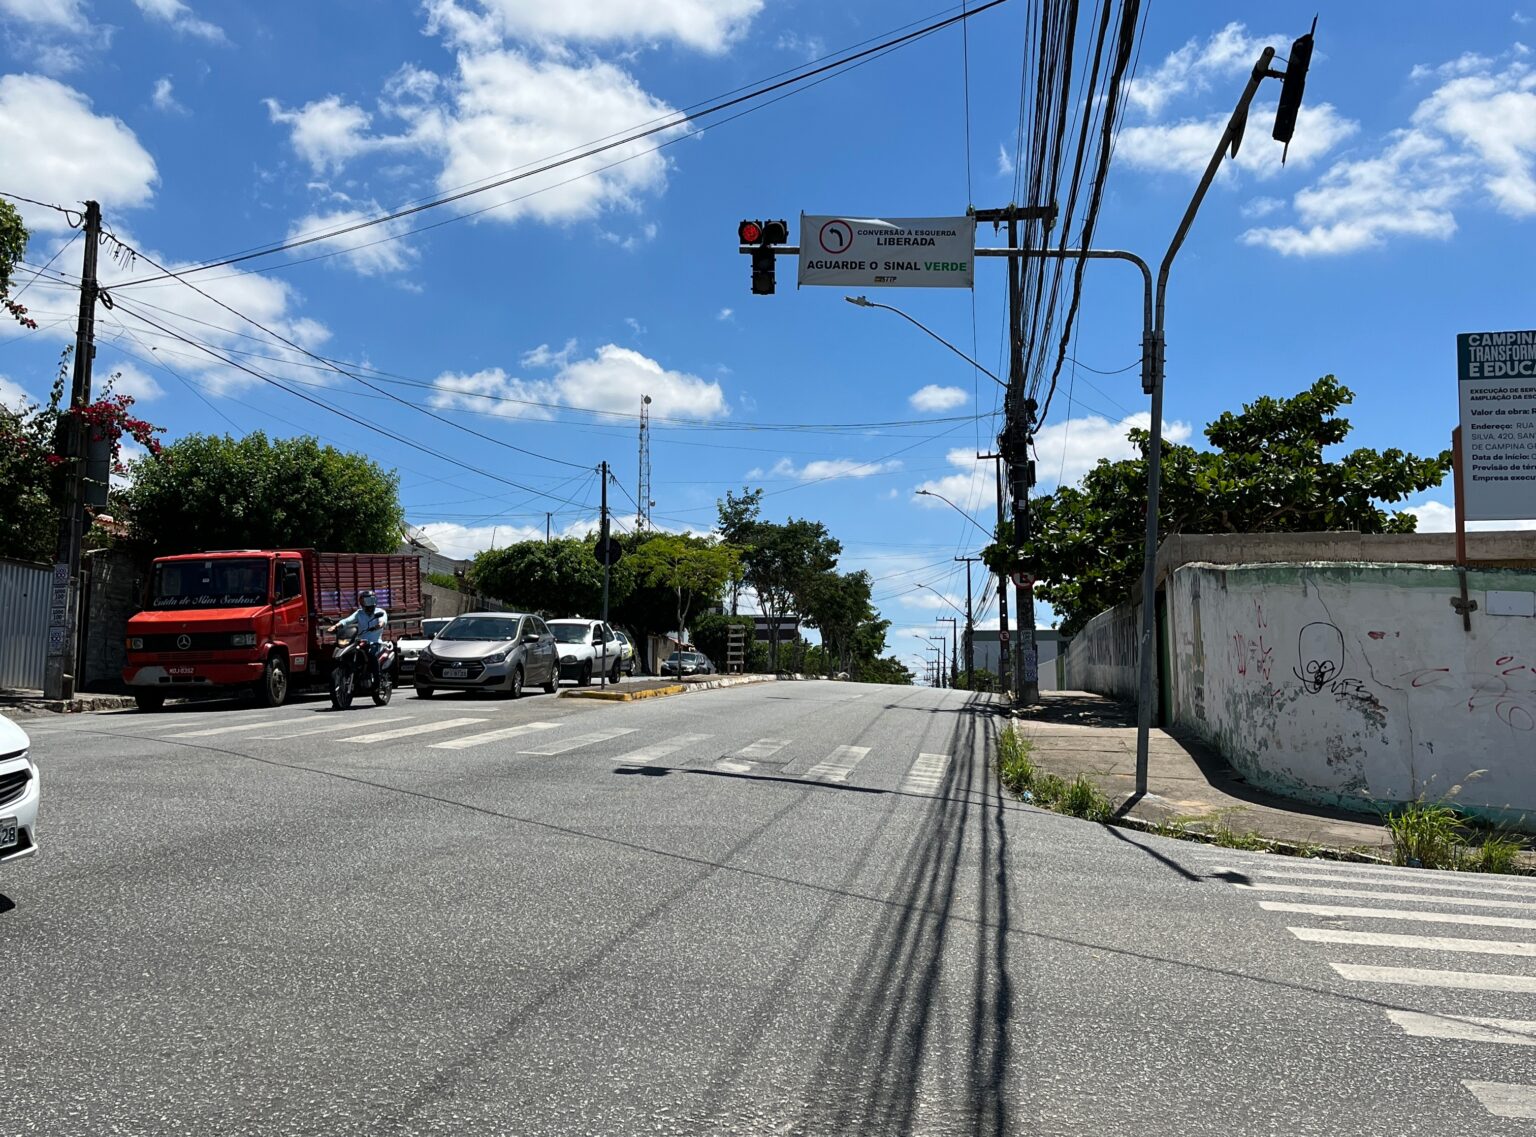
<point x="13" y="247"/>
<point x="781" y="562"/>
<point x="837" y="605"/>
<point x="738" y="517"/>
<point x="557" y="578"/>
<point x="1268" y="472"/>
<point x="690" y="567"/>
<point x="216" y="492"/>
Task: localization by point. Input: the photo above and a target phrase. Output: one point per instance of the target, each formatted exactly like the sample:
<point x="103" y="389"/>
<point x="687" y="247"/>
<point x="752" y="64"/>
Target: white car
<point x="19" y="789"/>
<point x="586" y="648"/>
<point x="409" y="647"/>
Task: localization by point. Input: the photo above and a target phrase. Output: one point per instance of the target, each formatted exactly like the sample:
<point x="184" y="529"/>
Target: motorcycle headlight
<point x="243" y="639"/>
<point x="499" y="657"/>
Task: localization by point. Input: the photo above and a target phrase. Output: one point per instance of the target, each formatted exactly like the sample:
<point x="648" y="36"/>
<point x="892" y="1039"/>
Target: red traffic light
<point x="750" y="232"/>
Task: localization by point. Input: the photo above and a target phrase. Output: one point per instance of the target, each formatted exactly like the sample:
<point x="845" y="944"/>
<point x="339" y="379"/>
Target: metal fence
<point x="24" y="591"/>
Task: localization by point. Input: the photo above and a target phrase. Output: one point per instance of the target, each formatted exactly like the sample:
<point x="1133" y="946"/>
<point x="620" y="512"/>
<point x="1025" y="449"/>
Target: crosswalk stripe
<point x="419" y="728"/>
<point x="1469" y="919"/>
<point x="1363" y="894"/>
<point x="1462" y="1028"/>
<point x="837" y="766"/>
<point x="1447" y="882"/>
<point x="1428" y="977"/>
<point x="464" y="742"/>
<point x="328" y="728"/>
<point x="562" y="745"/>
<point x="648" y="754"/>
<point x="763" y="748"/>
<point x="926" y="774"/>
<point x="1420" y="943"/>
<point x="1505" y="1099"/>
<point x="221" y="730"/>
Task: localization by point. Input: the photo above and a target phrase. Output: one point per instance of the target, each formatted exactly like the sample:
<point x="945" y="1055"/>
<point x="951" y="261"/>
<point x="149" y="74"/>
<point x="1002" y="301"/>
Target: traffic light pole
<point x="63" y="625"/>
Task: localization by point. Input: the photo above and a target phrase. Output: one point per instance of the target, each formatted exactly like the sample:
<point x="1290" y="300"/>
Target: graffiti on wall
<point x="1250" y="652"/>
<point x="1507" y="690"/>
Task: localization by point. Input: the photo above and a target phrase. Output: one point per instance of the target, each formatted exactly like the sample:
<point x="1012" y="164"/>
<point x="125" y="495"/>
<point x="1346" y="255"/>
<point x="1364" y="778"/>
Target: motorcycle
<point x="351" y="673"/>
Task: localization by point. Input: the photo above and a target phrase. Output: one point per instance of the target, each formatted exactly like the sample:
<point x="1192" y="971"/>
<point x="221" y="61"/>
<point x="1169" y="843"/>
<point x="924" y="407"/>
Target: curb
<point x="730" y="681"/>
<point x="70" y="706"/>
<point x="624" y="696"/>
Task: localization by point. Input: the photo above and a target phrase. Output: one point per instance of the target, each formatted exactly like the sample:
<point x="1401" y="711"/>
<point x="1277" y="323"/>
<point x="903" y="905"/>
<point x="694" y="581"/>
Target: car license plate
<point x="7" y="832"/>
<point x="455" y="673"/>
<point x="181" y="671"/>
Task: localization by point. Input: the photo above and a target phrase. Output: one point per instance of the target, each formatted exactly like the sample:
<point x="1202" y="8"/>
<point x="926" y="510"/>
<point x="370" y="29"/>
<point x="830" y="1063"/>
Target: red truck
<point x="252" y="617"/>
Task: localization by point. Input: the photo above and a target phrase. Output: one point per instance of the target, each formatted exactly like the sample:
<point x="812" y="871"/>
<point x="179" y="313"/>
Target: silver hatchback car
<point x="488" y="651"/>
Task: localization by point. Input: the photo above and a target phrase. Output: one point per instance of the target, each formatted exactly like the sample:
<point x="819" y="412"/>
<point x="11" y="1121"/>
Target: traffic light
<point x="1291" y="89"/>
<point x="764" y="235"/>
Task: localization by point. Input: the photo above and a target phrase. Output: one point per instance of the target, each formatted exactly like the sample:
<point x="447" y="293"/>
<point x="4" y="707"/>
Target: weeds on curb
<point x="1434" y="835"/>
<point x="1026" y="781"/>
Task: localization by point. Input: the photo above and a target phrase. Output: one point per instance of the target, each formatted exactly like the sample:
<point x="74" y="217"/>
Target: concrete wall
<point x="1104" y="656"/>
<point x="113" y="578"/>
<point x="439" y="601"/>
<point x="1352" y="684"/>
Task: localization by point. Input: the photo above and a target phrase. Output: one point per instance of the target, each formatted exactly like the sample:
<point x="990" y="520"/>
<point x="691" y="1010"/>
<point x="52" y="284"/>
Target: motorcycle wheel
<point x="382" y="690"/>
<point x="341" y="688"/>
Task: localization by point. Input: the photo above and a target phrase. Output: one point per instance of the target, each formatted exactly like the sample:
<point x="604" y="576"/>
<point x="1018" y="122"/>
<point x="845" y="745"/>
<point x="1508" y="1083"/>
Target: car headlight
<point x="424" y="654"/>
<point x="407" y="653"/>
<point x="135" y="643"/>
<point x="499" y="657"/>
<point x="243" y="639"/>
<point x="567" y="659"/>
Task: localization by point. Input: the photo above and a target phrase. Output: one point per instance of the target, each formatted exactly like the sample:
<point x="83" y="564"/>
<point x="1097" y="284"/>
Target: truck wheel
<point x="150" y="702"/>
<point x="272" y="691"/>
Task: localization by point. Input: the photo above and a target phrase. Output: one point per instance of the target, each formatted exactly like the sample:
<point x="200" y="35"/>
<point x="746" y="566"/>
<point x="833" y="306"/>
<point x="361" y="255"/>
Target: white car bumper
<point x="19" y="792"/>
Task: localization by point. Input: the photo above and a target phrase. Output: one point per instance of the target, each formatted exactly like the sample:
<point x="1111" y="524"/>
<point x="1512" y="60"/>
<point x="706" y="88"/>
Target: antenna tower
<point x="643" y="498"/>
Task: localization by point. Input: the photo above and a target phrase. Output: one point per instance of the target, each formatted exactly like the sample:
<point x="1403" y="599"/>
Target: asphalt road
<point x="791" y="908"/>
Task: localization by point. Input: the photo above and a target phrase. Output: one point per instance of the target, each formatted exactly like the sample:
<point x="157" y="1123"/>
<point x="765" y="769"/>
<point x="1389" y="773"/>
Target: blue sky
<point x="208" y="128"/>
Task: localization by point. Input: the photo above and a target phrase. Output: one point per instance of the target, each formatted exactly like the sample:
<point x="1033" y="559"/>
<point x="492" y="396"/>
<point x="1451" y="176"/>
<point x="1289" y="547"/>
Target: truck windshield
<point x="233" y="582"/>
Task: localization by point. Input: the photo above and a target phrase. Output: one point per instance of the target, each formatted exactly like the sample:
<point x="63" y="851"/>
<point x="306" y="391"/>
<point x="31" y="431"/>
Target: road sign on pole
<point x="1496" y="384"/>
<point x="888" y="252"/>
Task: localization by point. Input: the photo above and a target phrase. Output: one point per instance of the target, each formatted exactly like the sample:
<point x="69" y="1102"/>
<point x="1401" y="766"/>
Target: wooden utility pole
<point x="970" y="627"/>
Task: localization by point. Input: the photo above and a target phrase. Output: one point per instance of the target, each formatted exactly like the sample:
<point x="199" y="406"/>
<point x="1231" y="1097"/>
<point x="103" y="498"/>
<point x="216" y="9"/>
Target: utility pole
<point x="970" y="627"/>
<point x="64" y="609"/>
<point x="940" y="641"/>
<point x="548" y="517"/>
<point x="954" y="646"/>
<point x="602" y="542"/>
<point x="1004" y="668"/>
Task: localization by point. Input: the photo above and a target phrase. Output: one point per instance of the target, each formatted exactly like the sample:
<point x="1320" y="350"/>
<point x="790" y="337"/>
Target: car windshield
<point x="430" y="628"/>
<point x="223" y="582"/>
<point x="570" y="633"/>
<point x="480" y="628"/>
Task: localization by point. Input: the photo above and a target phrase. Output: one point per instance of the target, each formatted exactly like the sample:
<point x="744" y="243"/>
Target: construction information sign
<point x="888" y="252"/>
<point x="1497" y="382"/>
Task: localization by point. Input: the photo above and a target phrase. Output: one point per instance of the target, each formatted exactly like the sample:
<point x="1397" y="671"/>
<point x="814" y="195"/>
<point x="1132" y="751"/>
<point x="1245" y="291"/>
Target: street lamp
<point x="866" y="302"/>
<point x="957" y="509"/>
<point x="942" y="597"/>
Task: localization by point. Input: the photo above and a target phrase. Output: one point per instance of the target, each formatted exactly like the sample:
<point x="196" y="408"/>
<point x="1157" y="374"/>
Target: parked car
<point x="409" y="647"/>
<point x="19" y="791"/>
<point x="629" y="656"/>
<point x="586" y="646"/>
<point x="687" y="663"/>
<point x="495" y="651"/>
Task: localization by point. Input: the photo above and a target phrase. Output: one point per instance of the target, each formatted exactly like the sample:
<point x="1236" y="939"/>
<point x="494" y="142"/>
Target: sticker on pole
<point x="1496" y="373"/>
<point x="888" y="252"/>
<point x="1023" y="579"/>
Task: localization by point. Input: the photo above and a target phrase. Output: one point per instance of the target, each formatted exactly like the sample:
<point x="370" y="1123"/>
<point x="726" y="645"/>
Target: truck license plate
<point x="181" y="672"/>
<point x="7" y="832"/>
<point x="455" y="673"/>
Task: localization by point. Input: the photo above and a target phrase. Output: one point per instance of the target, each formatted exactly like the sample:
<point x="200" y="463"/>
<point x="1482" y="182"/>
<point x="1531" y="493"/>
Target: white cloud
<point x="543" y="356"/>
<point x="129" y="380"/>
<point x="1520" y="18"/>
<point x="374" y="251"/>
<point x="643" y="236"/>
<point x="103" y="160"/>
<point x="634" y="325"/>
<point x="936" y="398"/>
<point x="1185" y="147"/>
<point x="1437" y="517"/>
<point x="1004" y="163"/>
<point x="1467" y="63"/>
<point x="63" y="15"/>
<point x="164" y="97"/>
<point x="1192" y="68"/>
<point x="1069" y="449"/>
<point x="181" y="18"/>
<point x="462" y="542"/>
<point x="825" y="469"/>
<point x="1262" y="206"/>
<point x="612" y="380"/>
<point x="810" y="47"/>
<point x="708" y="25"/>
<point x="13" y="395"/>
<point x="1474" y="136"/>
<point x="725" y="313"/>
<point x="328" y="132"/>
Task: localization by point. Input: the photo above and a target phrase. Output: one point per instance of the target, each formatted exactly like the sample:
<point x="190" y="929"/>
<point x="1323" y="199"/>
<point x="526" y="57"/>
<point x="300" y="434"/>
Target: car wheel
<point x="150" y="702"/>
<point x="617" y="671"/>
<point x="515" y="690"/>
<point x="424" y="692"/>
<point x="585" y="679"/>
<point x="553" y="682"/>
<point x="272" y="691"/>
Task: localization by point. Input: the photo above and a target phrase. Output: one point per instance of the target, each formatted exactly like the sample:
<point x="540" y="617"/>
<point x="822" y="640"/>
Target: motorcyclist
<point x="370" y="621"/>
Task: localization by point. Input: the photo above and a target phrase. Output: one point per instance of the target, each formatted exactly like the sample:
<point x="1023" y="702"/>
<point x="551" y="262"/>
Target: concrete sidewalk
<point x="1074" y="732"/>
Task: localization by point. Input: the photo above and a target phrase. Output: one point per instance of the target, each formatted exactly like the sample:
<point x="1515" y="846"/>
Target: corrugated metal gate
<point x="24" y="591"/>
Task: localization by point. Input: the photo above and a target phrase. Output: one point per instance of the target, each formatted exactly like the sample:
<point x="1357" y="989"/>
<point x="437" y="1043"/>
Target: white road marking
<point x="589" y="739"/>
<point x="464" y="742"/>
<point x="1512" y="1032"/>
<point x="1363" y="894"/>
<point x="351" y="724"/>
<point x="1428" y="977"/>
<point x="1469" y="919"/>
<point x="267" y="724"/>
<point x="1505" y="1099"/>
<point x="419" y="728"/>
<point x="763" y="748"/>
<point x="648" y="754"/>
<point x="1446" y="881"/>
<point x="1419" y="943"/>
<point x="926" y="774"/>
<point x="837" y="766"/>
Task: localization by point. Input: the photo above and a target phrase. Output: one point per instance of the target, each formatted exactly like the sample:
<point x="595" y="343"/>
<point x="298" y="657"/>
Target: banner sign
<point x="888" y="252"/>
<point x="1496" y="378"/>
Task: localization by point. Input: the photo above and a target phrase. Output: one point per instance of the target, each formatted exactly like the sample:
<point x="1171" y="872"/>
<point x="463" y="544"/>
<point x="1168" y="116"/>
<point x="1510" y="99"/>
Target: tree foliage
<point x="557" y="578"/>
<point x="1268" y="473"/>
<point x="216" y="492"/>
<point x="13" y="247"/>
<point x="781" y="563"/>
<point x="691" y="568"/>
